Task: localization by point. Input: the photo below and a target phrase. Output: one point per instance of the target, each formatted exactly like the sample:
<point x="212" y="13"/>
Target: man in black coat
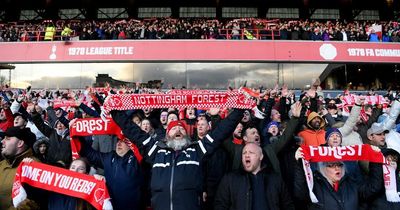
<point x="254" y="187"/>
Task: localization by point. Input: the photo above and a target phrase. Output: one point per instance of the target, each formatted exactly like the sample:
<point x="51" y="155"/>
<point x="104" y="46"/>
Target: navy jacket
<point x="349" y="196"/>
<point x="123" y="176"/>
<point x="176" y="182"/>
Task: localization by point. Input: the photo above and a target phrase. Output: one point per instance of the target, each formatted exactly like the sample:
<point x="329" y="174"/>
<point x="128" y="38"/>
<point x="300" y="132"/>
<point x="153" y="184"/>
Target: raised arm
<point x="351" y="120"/>
<point x="39" y="123"/>
<point x="291" y="127"/>
<point x="223" y="130"/>
<point x="390" y="121"/>
<point x="133" y="132"/>
<point x="88" y="110"/>
<point x="94" y="157"/>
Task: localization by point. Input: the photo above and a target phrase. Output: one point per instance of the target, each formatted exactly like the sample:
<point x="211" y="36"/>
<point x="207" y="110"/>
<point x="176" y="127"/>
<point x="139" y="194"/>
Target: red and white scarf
<point x="64" y="104"/>
<point x="181" y="99"/>
<point x="350" y="100"/>
<point x="97" y="126"/>
<point x="61" y="181"/>
<point x="349" y="153"/>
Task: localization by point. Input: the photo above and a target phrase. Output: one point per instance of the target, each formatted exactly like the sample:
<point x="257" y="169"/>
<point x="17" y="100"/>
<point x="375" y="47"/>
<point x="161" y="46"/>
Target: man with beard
<point x="253" y="187"/>
<point x="16" y="145"/>
<point x="314" y="134"/>
<point x="176" y="161"/>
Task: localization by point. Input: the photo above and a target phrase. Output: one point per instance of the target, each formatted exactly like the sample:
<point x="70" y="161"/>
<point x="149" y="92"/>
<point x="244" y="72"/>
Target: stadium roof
<point x="44" y="4"/>
<point x="12" y="8"/>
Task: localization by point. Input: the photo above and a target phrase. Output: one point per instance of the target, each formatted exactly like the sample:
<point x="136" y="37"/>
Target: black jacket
<point x="380" y="202"/>
<point x="235" y="192"/>
<point x="176" y="182"/>
<point x="270" y="150"/>
<point x="348" y="197"/>
<point x="59" y="146"/>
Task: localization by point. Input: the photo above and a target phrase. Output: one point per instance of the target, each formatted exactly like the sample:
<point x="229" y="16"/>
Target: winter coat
<point x="123" y="175"/>
<point x="349" y="195"/>
<point x="176" y="182"/>
<point x="42" y="158"/>
<point x="380" y="202"/>
<point x="235" y="192"/>
<point x="59" y="146"/>
<point x="7" y="175"/>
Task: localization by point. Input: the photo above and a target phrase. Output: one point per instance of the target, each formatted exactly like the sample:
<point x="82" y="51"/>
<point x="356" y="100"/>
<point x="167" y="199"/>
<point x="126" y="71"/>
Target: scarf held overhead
<point x="348" y="153"/>
<point x="97" y="126"/>
<point x="61" y="181"/>
<point x="198" y="99"/>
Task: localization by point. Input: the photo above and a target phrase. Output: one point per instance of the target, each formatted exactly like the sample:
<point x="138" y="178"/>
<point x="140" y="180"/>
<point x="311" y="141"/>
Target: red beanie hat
<point x="176" y="123"/>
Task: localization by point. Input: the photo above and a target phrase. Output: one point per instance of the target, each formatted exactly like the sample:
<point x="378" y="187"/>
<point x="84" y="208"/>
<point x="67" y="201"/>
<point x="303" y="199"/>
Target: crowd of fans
<point x="195" y="28"/>
<point x="217" y="158"/>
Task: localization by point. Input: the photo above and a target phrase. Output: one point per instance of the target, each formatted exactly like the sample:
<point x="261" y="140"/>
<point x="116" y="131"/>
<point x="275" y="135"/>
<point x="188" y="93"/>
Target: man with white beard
<point x="176" y="161"/>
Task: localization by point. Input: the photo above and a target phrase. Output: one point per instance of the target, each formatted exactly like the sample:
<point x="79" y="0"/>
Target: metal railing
<point x="263" y="34"/>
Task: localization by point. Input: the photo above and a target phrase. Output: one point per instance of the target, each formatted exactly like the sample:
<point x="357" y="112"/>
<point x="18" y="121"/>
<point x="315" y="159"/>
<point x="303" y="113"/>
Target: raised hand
<point x="296" y="109"/>
<point x="284" y="91"/>
<point x="299" y="153"/>
<point x="213" y="111"/>
<point x="311" y="93"/>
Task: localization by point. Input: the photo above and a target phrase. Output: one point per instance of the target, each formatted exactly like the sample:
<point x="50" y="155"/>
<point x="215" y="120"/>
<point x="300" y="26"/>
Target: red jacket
<point x="9" y="122"/>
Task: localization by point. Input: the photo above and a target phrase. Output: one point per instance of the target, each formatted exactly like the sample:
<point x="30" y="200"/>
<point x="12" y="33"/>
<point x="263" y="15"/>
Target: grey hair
<point x="323" y="165"/>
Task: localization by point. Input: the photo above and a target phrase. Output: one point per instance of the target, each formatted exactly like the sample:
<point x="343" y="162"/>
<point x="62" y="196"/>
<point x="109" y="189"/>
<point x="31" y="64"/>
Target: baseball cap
<point x="176" y="123"/>
<point x="24" y="134"/>
<point x="376" y="128"/>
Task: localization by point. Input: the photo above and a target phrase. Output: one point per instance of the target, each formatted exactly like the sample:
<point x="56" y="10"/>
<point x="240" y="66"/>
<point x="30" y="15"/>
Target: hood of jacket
<point x="313" y="115"/>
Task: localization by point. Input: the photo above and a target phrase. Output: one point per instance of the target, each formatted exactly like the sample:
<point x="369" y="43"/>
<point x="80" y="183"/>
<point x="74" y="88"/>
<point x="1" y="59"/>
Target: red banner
<point x="97" y="126"/>
<point x="199" y="50"/>
<point x="342" y="153"/>
<point x="62" y="181"/>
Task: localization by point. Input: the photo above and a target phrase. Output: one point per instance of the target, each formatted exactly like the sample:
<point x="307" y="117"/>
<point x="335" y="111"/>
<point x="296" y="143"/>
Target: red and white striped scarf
<point x="182" y="99"/>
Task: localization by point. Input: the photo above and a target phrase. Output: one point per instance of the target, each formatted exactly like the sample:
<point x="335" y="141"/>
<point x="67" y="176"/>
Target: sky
<point x="199" y="75"/>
